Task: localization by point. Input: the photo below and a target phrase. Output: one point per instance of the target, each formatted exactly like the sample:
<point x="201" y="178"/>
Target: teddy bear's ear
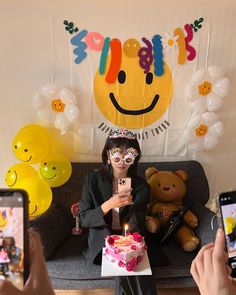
<point x="182" y="174"/>
<point x="150" y="171"/>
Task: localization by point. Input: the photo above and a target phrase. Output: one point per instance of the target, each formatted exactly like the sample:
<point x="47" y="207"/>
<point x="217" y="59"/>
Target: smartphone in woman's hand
<point x="124" y="184"/>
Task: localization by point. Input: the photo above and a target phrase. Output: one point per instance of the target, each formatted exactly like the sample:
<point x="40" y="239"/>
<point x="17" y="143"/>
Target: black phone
<point x="227" y="205"/>
<point x="14" y="243"/>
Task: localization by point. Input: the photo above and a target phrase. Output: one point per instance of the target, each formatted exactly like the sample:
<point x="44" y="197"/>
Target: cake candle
<point x="126" y="228"/>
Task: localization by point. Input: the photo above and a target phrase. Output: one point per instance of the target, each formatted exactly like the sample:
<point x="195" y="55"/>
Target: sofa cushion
<point x="53" y="227"/>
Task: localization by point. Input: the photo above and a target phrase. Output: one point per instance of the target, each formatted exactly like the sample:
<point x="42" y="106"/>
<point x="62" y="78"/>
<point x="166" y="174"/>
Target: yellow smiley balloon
<point x="55" y="169"/>
<point x="40" y="195"/>
<point x="18" y="172"/>
<point x="3" y="219"/>
<point x="31" y="144"/>
<point x="135" y="100"/>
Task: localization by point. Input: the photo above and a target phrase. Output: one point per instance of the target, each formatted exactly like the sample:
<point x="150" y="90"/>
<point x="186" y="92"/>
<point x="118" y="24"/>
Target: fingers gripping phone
<point x="124" y="184"/>
<point x="14" y="250"/>
<point x="227" y="204"/>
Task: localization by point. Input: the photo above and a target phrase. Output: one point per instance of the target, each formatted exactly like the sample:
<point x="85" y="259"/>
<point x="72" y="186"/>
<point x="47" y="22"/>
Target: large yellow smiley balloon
<point x="40" y="195"/>
<point x="31" y="144"/>
<point x="135" y="99"/>
<point x="55" y="169"/>
<point x="18" y="172"/>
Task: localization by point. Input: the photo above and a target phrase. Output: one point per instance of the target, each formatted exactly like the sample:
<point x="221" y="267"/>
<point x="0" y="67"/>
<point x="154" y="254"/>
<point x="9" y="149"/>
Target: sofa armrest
<point x="53" y="228"/>
<point x="207" y="223"/>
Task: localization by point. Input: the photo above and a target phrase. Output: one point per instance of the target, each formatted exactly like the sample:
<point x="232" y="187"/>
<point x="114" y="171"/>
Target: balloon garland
<point x="206" y="93"/>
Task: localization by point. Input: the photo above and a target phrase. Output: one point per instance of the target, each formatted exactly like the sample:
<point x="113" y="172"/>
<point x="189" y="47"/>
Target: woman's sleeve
<point x="90" y="214"/>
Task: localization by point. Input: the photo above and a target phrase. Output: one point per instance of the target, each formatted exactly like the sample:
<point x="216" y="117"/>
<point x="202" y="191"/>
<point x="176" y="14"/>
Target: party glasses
<point x="117" y="155"/>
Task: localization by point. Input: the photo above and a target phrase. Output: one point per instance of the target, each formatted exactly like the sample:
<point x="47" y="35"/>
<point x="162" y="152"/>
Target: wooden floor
<point x="185" y="291"/>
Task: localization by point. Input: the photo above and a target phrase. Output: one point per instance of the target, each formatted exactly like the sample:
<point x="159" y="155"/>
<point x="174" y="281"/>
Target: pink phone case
<point x="124" y="183"/>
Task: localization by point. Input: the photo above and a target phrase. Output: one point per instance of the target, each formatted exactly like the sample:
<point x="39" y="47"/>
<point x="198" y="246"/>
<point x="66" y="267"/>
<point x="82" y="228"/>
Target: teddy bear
<point x="167" y="192"/>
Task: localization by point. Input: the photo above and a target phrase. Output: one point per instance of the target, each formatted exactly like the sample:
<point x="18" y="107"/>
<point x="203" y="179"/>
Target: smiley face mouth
<point x="31" y="213"/>
<point x="15" y="179"/>
<point x="45" y="176"/>
<point x="27" y="160"/>
<point x="133" y="112"/>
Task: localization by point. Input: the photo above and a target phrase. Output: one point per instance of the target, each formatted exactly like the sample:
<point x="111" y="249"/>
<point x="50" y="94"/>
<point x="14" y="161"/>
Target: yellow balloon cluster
<point x="33" y="145"/>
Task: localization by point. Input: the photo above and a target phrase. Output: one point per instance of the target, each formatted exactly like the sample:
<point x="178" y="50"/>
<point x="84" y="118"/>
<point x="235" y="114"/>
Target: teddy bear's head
<point x="166" y="186"/>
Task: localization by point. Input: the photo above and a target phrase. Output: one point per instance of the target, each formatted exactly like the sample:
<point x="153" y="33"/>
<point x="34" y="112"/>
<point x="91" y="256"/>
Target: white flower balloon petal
<point x="214" y="102"/>
<point x="217" y="129"/>
<point x="66" y="96"/>
<point x="199" y="76"/>
<point x="215" y="72"/>
<point x="72" y="113"/>
<point x="210" y="142"/>
<point x="221" y="87"/>
<point x="49" y="90"/>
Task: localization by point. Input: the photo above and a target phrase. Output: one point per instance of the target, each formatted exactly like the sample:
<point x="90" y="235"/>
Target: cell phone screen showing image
<point x="228" y="212"/>
<point x="12" y="238"/>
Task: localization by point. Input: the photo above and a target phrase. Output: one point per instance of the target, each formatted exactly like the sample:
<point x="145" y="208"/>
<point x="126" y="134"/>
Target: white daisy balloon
<point x="56" y="107"/>
<point x="203" y="131"/>
<point x="207" y="89"/>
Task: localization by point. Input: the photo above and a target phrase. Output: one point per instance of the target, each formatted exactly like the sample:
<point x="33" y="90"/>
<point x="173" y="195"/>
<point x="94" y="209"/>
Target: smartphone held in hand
<point x="124" y="184"/>
<point x="227" y="204"/>
<point x="14" y="248"/>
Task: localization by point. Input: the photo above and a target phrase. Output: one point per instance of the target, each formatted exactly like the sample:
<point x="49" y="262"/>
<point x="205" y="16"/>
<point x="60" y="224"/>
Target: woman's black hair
<point x="120" y="142"/>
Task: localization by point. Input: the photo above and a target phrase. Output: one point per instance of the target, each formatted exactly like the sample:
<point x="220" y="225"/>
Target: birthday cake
<point x="126" y="251"/>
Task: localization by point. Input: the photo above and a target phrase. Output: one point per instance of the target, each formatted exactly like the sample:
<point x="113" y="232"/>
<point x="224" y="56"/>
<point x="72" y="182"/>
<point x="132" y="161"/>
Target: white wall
<point x="27" y="61"/>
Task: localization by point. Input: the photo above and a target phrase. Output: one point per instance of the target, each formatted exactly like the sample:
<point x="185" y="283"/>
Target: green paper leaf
<point x="65" y="22"/>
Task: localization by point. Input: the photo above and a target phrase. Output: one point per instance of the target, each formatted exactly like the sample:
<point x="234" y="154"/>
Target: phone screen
<point x="227" y="202"/>
<point x="14" y="236"/>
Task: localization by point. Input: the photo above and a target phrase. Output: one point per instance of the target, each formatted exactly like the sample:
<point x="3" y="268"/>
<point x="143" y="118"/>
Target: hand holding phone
<point x="14" y="251"/>
<point x="227" y="205"/>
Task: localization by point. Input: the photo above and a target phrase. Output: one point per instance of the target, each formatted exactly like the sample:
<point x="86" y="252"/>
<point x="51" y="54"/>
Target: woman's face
<point x="121" y="159"/>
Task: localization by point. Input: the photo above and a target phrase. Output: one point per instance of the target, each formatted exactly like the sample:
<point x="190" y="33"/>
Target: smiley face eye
<point x="53" y="168"/>
<point x="26" y="150"/>
<point x="121" y="77"/>
<point x="149" y="78"/>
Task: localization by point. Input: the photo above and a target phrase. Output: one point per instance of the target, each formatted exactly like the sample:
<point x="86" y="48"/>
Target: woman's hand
<point x="117" y="200"/>
<point x="38" y="282"/>
<point x="210" y="271"/>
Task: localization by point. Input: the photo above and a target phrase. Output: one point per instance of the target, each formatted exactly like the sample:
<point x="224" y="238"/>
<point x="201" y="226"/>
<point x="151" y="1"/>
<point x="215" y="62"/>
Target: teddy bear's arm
<point x="191" y="219"/>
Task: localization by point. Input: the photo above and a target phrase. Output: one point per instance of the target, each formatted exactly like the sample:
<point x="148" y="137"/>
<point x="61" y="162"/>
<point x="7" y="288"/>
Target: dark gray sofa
<point x="66" y="262"/>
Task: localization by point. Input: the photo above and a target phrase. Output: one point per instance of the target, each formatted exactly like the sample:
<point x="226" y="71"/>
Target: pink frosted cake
<point x="125" y="251"/>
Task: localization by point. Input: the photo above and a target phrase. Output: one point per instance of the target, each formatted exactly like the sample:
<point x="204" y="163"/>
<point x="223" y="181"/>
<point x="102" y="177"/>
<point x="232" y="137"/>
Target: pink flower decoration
<point x="110" y="240"/>
<point x="133" y="247"/>
<point x="116" y="238"/>
<point x="137" y="237"/>
<point x="121" y="264"/>
<point x="128" y="234"/>
<point x="130" y="265"/>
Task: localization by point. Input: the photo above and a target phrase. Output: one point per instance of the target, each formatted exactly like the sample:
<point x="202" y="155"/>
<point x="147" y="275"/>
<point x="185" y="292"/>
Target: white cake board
<point x="110" y="269"/>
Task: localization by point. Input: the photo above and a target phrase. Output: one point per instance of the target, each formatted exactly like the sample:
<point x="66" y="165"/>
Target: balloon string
<point x="53" y="59"/>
